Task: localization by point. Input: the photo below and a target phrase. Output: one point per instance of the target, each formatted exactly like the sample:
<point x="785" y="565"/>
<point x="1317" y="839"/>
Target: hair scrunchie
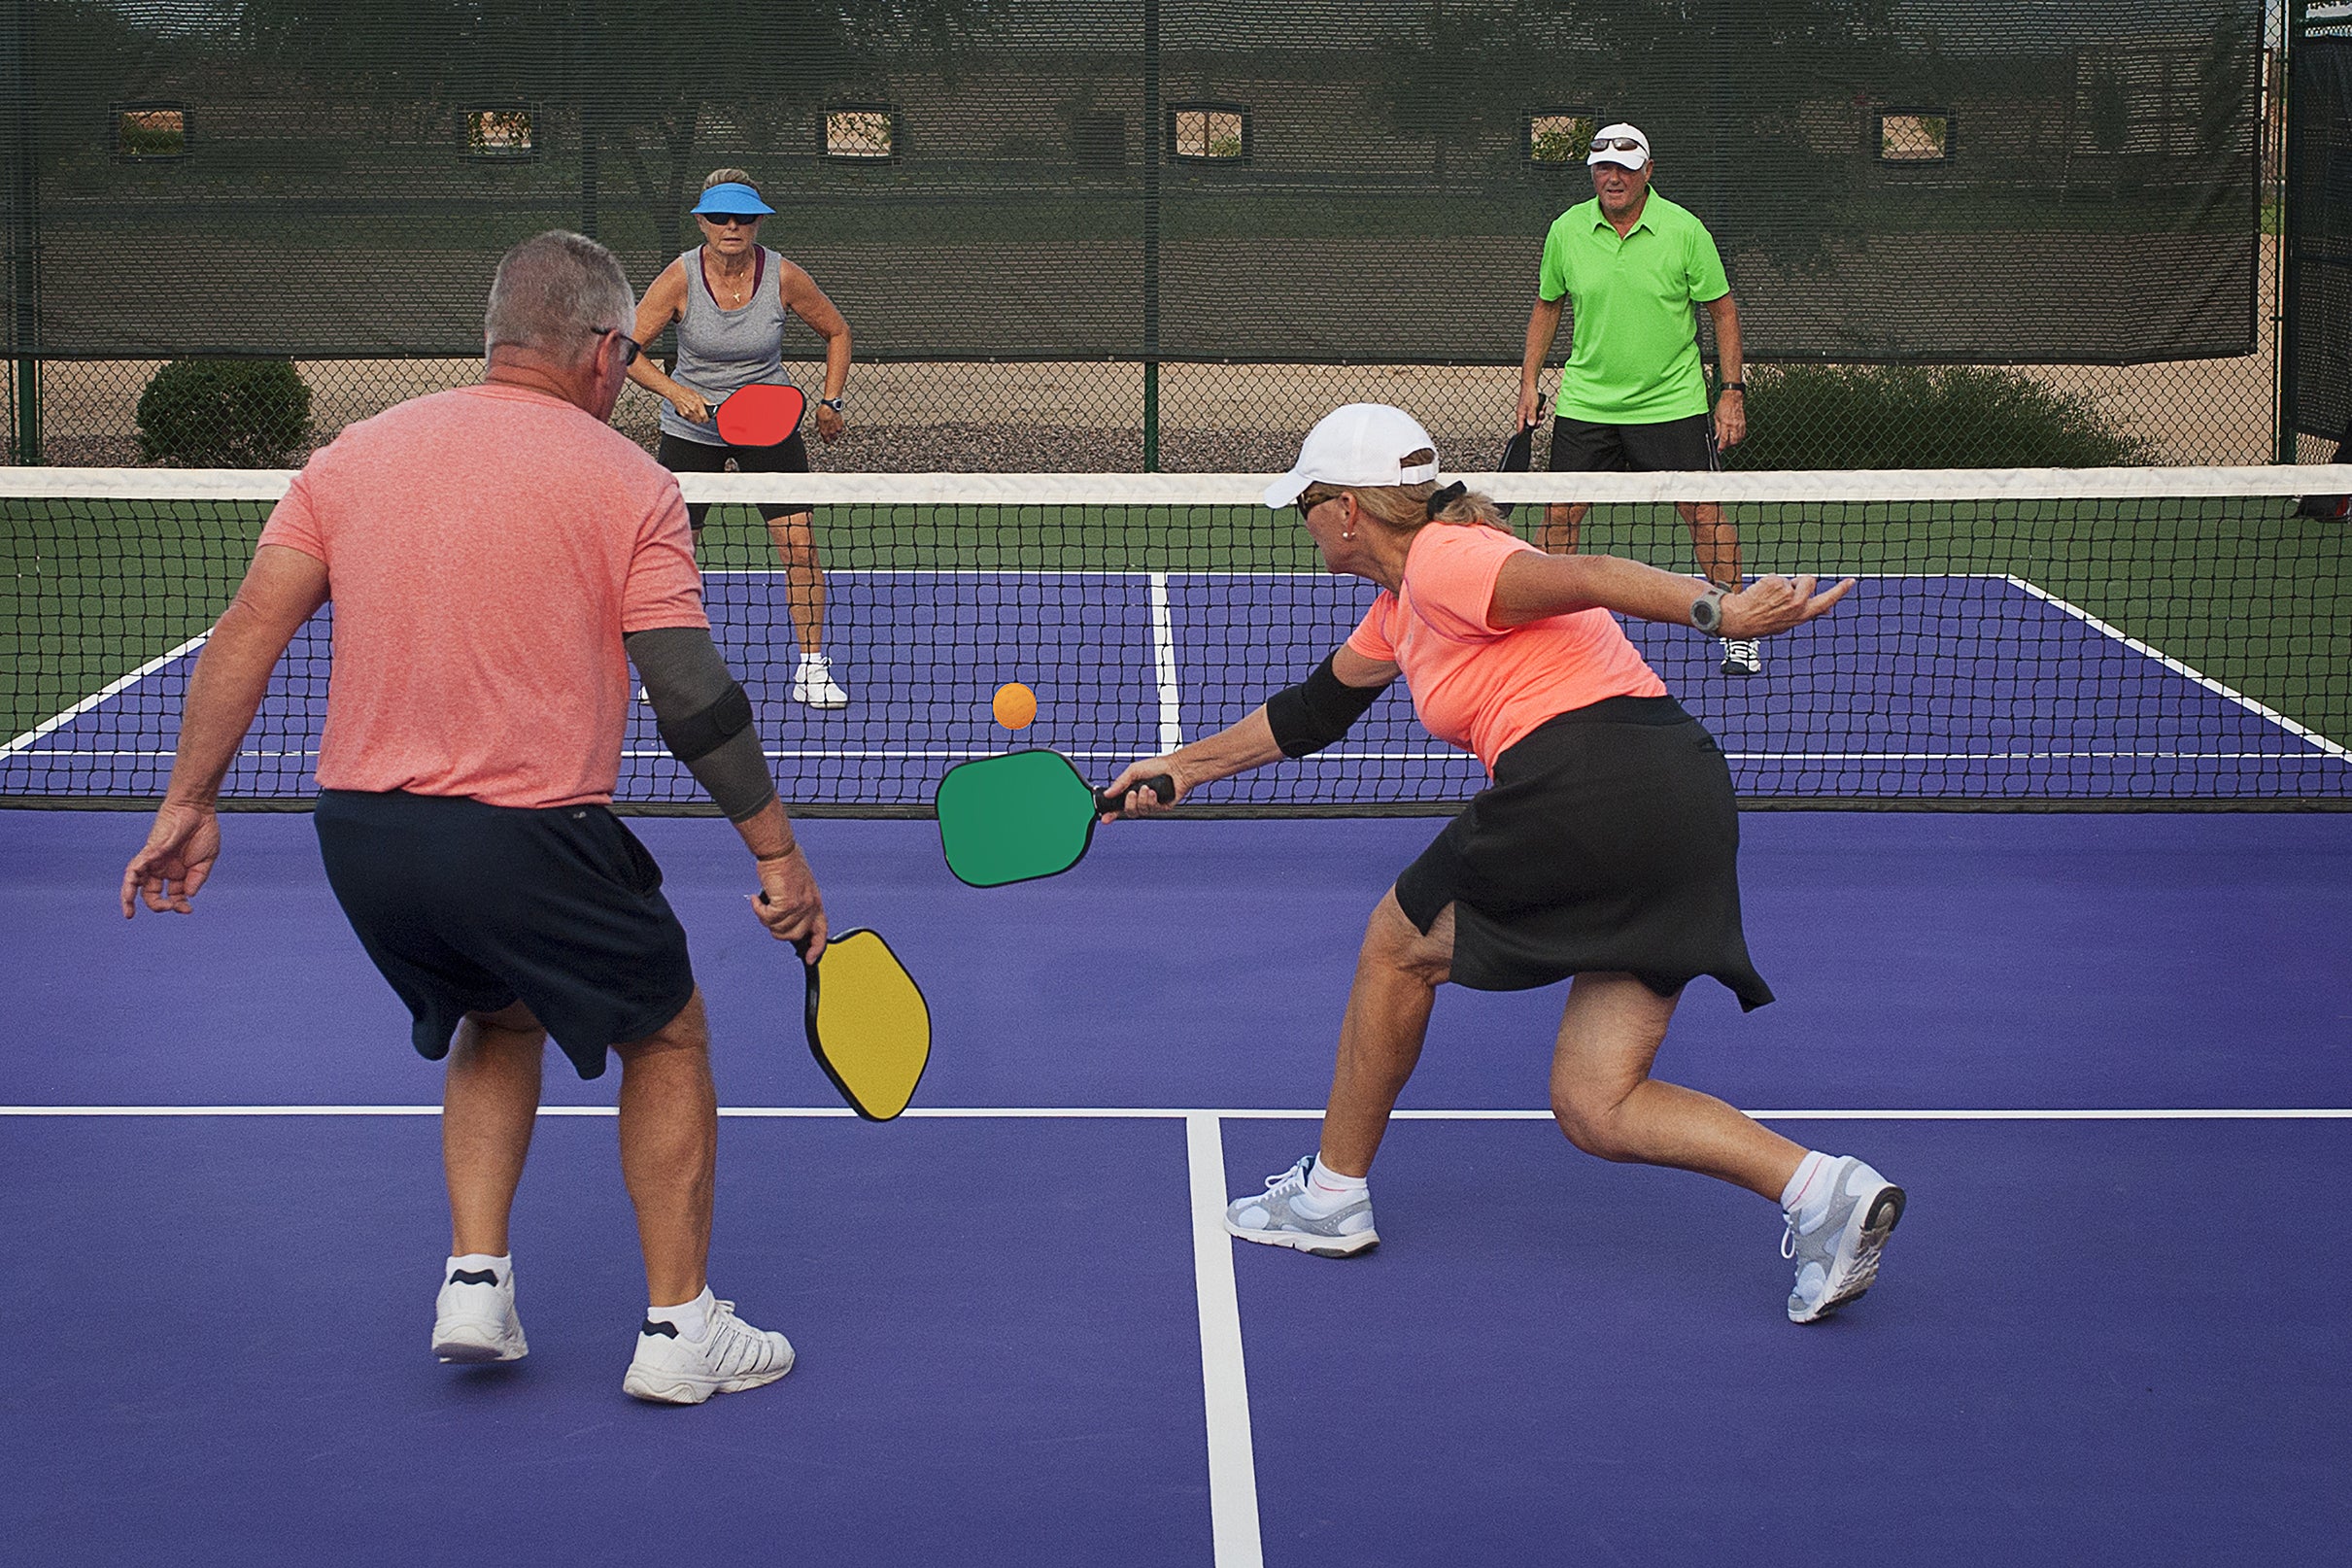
<point x="1447" y="497"/>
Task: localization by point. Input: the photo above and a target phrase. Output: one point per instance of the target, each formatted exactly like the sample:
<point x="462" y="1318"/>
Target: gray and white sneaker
<point x="729" y="1358"/>
<point x="474" y="1317"/>
<point x="1742" y="657"/>
<point x="1837" y="1249"/>
<point x="813" y="685"/>
<point x="1270" y="1218"/>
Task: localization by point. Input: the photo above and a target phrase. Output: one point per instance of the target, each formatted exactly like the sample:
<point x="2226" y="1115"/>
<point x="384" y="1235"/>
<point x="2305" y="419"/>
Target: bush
<point x="1921" y="417"/>
<point x="224" y="414"/>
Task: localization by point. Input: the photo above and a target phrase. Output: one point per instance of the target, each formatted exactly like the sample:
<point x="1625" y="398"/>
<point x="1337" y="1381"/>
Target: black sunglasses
<point x="728" y="220"/>
<point x="631" y="348"/>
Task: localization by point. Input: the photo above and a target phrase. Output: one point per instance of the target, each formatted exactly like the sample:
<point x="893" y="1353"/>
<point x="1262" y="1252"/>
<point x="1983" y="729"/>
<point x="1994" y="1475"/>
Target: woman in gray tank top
<point x="730" y="299"/>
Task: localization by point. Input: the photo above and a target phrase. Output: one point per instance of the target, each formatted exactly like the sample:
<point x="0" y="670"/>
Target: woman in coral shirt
<point x="1605" y="850"/>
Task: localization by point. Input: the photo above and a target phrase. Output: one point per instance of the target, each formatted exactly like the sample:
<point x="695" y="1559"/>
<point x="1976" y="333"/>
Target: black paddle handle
<point x="1161" y="787"/>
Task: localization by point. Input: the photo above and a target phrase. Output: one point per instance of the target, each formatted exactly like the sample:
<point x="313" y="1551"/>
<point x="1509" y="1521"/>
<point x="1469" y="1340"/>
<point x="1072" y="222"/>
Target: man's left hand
<point x="830" y="423"/>
<point x="1730" y="417"/>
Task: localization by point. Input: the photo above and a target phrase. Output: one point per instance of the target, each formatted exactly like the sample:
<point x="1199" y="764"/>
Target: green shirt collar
<point x="1600" y="219"/>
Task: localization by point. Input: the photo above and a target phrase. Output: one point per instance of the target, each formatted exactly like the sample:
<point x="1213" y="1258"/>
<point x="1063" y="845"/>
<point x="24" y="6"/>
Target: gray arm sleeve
<point x="704" y="716"/>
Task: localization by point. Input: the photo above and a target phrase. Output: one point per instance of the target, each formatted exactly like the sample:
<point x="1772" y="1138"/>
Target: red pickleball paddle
<point x="761" y="415"/>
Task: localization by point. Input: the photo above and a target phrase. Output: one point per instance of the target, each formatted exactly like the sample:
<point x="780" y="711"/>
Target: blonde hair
<point x="731" y="177"/>
<point x="1404" y="508"/>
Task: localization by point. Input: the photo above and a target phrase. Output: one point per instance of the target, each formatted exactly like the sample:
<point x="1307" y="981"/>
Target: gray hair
<point x="554" y="292"/>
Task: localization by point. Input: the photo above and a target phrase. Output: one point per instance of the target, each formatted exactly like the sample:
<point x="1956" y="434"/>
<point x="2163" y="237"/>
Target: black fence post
<point x="1151" y="236"/>
<point x="24" y="227"/>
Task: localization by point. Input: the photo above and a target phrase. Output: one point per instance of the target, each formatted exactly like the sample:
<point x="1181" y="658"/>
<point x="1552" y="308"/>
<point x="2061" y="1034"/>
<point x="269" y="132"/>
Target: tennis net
<point x="2018" y="639"/>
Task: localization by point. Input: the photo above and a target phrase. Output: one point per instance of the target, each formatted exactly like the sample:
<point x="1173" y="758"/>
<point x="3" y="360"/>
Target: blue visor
<point x="732" y="198"/>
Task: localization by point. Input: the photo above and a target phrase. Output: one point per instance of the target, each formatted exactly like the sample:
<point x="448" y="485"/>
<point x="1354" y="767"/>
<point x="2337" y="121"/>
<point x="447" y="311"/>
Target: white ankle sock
<point x="503" y="1266"/>
<point x="1808" y="1191"/>
<point x="1328" y="1192"/>
<point x="692" y="1320"/>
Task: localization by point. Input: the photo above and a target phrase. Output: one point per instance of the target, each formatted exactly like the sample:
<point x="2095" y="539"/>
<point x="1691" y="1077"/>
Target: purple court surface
<point x="2110" y="1057"/>
<point x="1972" y="686"/>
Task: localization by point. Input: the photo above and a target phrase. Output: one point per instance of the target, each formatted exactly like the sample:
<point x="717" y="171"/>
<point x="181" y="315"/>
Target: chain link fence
<point x="1086" y="418"/>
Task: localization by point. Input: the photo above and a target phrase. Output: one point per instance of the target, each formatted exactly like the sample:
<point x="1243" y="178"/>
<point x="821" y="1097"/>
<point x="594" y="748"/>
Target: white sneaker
<point x="1270" y="1219"/>
<point x="813" y="685"/>
<point x="474" y="1317"/>
<point x="1837" y="1249"/>
<point x="1742" y="657"/>
<point x="730" y="1357"/>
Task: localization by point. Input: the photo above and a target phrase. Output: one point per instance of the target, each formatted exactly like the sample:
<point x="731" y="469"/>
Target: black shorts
<point x="1673" y="446"/>
<point x="789" y="455"/>
<point x="468" y="908"/>
<point x="1608" y="842"/>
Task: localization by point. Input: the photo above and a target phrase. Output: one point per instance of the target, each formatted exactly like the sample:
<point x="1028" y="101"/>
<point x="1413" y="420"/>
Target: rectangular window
<point x="151" y="130"/>
<point x="502" y="131"/>
<point x="1209" y="132"/>
<point x="1914" y="136"/>
<point x="1560" y="135"/>
<point x="860" y="131"/>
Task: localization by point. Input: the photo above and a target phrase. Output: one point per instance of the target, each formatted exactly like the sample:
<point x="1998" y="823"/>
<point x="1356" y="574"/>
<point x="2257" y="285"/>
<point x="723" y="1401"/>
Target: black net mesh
<point x="2154" y="637"/>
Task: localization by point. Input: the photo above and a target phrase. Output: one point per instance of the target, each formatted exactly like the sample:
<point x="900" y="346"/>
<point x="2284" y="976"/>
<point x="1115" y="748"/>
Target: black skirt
<point x="1608" y="842"/>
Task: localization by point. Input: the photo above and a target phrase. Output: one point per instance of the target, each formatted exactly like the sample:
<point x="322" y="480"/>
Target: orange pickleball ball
<point x="1015" y="705"/>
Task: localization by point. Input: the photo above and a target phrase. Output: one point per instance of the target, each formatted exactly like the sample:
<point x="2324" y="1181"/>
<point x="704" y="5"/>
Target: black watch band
<point x="1735" y="386"/>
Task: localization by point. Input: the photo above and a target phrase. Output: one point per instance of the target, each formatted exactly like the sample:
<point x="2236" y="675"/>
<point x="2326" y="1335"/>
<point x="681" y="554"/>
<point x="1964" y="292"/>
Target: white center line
<point x="1163" y="663"/>
<point x="1233" y="1475"/>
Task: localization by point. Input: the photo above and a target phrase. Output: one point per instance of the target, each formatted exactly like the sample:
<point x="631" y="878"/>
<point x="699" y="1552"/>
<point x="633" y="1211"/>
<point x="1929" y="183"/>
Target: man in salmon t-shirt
<point x="498" y="555"/>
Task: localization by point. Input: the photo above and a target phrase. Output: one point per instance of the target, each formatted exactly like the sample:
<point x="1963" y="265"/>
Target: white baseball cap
<point x="1632" y="158"/>
<point x="1361" y="444"/>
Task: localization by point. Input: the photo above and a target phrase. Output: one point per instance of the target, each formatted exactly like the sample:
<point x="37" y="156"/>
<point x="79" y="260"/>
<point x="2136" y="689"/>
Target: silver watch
<point x="833" y="403"/>
<point x="1707" y="611"/>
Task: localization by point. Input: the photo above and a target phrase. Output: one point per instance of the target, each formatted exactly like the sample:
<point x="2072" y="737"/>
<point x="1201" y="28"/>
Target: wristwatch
<point x="1707" y="611"/>
<point x="1735" y="386"/>
<point x="833" y="403"/>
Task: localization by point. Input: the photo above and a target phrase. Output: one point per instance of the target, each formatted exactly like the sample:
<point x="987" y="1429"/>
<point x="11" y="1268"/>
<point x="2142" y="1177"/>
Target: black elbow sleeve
<point x="691" y="739"/>
<point x="1317" y="711"/>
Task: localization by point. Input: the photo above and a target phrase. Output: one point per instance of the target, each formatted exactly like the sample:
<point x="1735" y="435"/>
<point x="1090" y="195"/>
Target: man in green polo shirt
<point x="1633" y="394"/>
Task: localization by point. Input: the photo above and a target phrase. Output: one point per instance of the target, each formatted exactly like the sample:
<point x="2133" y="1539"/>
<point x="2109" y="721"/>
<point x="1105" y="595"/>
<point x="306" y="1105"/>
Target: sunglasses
<point x="1616" y="144"/>
<point x="731" y="220"/>
<point x="631" y="348"/>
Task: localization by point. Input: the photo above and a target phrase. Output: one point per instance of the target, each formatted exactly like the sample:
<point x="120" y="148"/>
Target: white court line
<point x="2189" y="672"/>
<point x="1233" y="1475"/>
<point x="1177" y="1113"/>
<point x="94" y="698"/>
<point x="1163" y="663"/>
